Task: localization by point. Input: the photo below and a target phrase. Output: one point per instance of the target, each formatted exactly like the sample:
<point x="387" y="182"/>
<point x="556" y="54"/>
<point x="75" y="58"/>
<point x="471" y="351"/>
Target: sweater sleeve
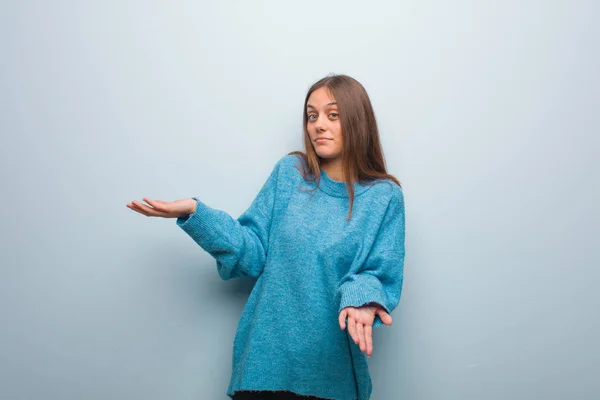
<point x="379" y="279"/>
<point x="239" y="245"/>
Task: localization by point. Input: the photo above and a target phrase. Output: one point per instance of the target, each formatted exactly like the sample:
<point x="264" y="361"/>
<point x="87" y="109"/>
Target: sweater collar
<point x="337" y="188"/>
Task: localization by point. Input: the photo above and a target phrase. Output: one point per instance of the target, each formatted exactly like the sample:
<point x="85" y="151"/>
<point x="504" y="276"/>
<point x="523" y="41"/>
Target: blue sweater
<point x="310" y="263"/>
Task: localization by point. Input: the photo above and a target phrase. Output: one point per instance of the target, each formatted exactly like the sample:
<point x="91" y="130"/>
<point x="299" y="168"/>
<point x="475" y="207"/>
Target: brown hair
<point x="362" y="155"/>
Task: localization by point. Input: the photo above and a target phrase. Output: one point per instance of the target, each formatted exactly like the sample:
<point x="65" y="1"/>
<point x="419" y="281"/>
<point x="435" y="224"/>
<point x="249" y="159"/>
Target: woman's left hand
<point x="360" y="324"/>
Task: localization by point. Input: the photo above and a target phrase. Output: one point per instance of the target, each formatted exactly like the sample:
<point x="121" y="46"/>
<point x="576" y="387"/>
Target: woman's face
<point x="323" y="124"/>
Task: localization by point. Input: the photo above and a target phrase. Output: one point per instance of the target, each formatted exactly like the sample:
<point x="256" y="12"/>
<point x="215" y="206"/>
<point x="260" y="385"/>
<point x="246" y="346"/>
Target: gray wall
<point x="488" y="113"/>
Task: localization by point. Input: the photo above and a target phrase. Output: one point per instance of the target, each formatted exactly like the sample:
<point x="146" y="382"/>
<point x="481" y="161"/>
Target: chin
<point x="328" y="156"/>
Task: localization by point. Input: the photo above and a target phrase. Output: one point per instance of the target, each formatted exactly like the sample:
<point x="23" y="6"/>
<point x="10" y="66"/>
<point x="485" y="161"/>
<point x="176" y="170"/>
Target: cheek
<point x="338" y="131"/>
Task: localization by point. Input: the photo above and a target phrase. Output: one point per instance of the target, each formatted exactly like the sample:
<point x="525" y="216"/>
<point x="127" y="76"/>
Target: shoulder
<point x="289" y="160"/>
<point x="283" y="163"/>
<point x="285" y="168"/>
<point x="386" y="198"/>
<point x="396" y="193"/>
<point x="390" y="197"/>
<point x="289" y="165"/>
<point x="388" y="191"/>
<point x="292" y="161"/>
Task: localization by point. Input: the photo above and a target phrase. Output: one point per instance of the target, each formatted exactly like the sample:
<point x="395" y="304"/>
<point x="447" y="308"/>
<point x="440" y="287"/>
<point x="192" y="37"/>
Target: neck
<point x="333" y="168"/>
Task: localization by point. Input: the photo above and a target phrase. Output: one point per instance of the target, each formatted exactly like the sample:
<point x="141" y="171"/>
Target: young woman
<point x="325" y="239"/>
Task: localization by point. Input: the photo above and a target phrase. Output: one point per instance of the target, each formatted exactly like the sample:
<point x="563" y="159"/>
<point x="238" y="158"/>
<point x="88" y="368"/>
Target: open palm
<point x="360" y="324"/>
<point x="165" y="209"/>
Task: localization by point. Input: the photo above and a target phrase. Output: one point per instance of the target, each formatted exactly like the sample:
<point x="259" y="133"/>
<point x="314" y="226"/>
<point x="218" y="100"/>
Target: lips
<point x="321" y="139"/>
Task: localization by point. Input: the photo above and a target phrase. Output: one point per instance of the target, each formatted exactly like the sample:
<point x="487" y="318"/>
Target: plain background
<point x="488" y="113"/>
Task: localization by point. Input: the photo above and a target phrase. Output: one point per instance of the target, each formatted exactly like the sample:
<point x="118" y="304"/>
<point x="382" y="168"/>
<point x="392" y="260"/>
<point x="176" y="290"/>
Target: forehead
<point x="320" y="97"/>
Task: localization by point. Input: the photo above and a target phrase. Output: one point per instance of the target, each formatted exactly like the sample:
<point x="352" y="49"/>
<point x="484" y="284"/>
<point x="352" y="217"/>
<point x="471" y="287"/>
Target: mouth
<point x="321" y="139"/>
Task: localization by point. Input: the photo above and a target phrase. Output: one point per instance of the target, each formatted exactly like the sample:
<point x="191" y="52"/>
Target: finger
<point x="131" y="207"/>
<point x="352" y="329"/>
<point x="144" y="209"/>
<point x="342" y="319"/>
<point x="136" y="208"/>
<point x="369" y="337"/>
<point x="360" y="330"/>
<point x="385" y="317"/>
<point x="156" y="204"/>
<point x="149" y="211"/>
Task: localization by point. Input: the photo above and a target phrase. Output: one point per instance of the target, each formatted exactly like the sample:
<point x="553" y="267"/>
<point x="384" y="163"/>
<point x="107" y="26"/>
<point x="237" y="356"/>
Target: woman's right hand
<point x="159" y="208"/>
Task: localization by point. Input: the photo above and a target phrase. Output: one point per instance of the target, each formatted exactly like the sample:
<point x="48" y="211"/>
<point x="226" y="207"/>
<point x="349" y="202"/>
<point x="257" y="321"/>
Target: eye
<point x="336" y="114"/>
<point x="311" y="115"/>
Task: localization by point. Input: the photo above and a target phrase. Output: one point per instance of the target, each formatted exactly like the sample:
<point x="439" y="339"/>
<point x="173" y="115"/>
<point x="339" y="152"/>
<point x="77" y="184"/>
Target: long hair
<point x="362" y="155"/>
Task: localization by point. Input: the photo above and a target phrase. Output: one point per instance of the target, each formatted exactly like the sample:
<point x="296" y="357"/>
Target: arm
<point x="239" y="245"/>
<point x="379" y="279"/>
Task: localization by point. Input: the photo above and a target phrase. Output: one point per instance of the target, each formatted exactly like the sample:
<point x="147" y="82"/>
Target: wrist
<point x="193" y="204"/>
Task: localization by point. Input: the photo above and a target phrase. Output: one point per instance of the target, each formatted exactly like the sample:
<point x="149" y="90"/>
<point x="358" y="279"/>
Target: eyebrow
<point x="328" y="104"/>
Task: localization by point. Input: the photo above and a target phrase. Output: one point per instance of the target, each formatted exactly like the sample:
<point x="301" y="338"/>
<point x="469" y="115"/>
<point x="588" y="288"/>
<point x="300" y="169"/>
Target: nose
<point x="320" y="124"/>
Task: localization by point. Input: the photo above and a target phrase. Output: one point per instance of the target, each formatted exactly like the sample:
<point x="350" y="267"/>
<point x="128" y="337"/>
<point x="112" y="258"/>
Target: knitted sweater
<point x="310" y="263"/>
